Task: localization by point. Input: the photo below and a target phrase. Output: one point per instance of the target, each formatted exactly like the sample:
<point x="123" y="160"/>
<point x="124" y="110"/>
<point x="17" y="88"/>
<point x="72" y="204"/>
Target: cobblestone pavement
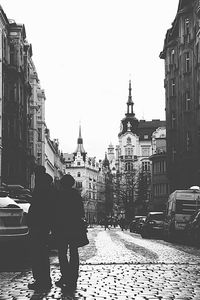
<point x="120" y="265"/>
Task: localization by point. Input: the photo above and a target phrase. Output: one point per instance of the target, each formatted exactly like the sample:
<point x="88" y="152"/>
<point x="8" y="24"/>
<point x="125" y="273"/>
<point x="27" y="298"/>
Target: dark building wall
<point x="16" y="93"/>
<point x="160" y="183"/>
<point x="181" y="55"/>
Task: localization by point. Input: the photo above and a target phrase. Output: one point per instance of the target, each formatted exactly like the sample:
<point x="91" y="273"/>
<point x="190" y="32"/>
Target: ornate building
<point x="85" y="171"/>
<point x="133" y="166"/>
<point x="181" y="53"/>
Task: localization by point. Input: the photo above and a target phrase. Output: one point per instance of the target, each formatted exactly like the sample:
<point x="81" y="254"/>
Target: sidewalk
<point x="116" y="281"/>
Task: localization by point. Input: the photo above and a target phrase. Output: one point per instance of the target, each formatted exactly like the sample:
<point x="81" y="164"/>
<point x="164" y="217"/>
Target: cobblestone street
<point x="119" y="265"/>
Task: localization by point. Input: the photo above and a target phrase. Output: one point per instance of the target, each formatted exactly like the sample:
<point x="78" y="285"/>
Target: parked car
<point x="12" y="221"/>
<point x="153" y="225"/>
<point x="136" y="224"/>
<point x="192" y="229"/>
<point x="180" y="206"/>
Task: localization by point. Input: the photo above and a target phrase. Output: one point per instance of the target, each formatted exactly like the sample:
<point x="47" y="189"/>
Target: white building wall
<point x="49" y="157"/>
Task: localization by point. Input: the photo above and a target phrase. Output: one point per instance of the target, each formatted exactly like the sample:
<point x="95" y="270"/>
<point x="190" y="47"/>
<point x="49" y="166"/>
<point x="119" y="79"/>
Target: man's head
<point x="44" y="181"/>
<point x="67" y="181"/>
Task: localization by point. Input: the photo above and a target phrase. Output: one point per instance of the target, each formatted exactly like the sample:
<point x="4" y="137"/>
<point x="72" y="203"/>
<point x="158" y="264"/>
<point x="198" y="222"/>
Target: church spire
<point x="130" y="102"/>
<point x="80" y="140"/>
<point x="80" y="147"/>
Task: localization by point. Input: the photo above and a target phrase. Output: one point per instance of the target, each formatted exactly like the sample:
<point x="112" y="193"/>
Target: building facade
<point x="4" y="23"/>
<point x="85" y="171"/>
<point x="181" y="54"/>
<point x="159" y="179"/>
<point x="22" y="109"/>
<point x="133" y="166"/>
<point x="16" y="158"/>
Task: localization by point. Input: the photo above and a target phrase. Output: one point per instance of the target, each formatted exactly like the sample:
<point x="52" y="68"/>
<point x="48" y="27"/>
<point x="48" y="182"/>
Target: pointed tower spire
<point x="106" y="161"/>
<point x="80" y="140"/>
<point x="80" y="147"/>
<point x="130" y="102"/>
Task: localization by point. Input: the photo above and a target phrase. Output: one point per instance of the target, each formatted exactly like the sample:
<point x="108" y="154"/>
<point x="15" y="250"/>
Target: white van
<point x="181" y="205"/>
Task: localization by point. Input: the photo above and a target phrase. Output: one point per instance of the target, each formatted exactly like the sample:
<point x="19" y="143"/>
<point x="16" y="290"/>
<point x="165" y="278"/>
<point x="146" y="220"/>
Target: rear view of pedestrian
<point x="39" y="223"/>
<point x="69" y="211"/>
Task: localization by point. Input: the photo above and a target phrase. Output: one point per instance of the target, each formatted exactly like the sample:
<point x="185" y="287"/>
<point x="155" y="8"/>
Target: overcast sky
<point x="85" y="52"/>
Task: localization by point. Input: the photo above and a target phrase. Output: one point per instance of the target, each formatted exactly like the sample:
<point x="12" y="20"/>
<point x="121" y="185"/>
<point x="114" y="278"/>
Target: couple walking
<point x="59" y="211"/>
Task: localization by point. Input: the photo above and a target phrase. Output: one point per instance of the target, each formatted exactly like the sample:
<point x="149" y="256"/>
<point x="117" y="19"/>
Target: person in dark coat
<point x="39" y="223"/>
<point x="68" y="213"/>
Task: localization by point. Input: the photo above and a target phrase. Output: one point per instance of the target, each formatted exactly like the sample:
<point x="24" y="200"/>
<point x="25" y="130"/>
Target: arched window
<point x="129" y="166"/>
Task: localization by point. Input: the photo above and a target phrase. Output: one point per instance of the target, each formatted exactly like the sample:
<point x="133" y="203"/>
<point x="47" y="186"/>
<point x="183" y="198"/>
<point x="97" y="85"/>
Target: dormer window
<point x="128" y="140"/>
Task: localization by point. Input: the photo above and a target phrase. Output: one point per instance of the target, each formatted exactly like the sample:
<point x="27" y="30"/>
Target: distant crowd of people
<point x="109" y="222"/>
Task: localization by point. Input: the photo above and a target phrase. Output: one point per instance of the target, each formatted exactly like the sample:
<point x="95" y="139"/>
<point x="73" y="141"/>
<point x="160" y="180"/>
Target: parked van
<point x="181" y="205"/>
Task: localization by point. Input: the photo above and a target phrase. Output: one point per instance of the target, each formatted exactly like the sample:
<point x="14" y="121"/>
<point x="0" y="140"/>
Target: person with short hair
<point x="39" y="223"/>
<point x="69" y="210"/>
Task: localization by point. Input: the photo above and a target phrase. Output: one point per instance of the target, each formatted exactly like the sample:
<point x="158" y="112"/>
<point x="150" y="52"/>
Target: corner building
<point x="133" y="166"/>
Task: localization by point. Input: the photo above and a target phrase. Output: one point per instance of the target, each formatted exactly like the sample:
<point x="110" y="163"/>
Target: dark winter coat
<point x="40" y="214"/>
<point x="69" y="211"/>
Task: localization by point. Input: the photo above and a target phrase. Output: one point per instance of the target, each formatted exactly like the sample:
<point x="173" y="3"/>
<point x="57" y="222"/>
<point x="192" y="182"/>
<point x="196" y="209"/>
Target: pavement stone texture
<point x="114" y="271"/>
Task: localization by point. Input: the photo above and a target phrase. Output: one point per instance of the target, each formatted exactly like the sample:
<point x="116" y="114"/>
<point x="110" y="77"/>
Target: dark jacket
<point x="40" y="214"/>
<point x="68" y="212"/>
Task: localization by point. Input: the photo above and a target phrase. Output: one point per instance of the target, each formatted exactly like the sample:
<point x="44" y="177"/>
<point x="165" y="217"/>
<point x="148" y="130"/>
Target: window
<point x="145" y="166"/>
<point x="172" y="56"/>
<point x="128" y="140"/>
<point x="146" y="136"/>
<point x="79" y="174"/>
<point x="187" y="30"/>
<point x="173" y="120"/>
<point x="187" y="101"/>
<point x="173" y="87"/>
<point x="78" y="184"/>
<point x="146" y="151"/>
<point x="129" y="166"/>
<point x="187" y="62"/>
<point x="39" y="134"/>
<point x="78" y="163"/>
<point x="129" y="151"/>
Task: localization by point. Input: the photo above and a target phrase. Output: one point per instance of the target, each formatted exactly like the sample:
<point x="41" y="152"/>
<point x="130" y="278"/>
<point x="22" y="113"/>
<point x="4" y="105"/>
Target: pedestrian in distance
<point x="69" y="211"/>
<point x="106" y="223"/>
<point x="122" y="224"/>
<point x="39" y="223"/>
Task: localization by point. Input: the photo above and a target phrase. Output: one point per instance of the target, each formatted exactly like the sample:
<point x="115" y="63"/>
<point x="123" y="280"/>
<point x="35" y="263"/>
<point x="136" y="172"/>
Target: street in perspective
<point x="117" y="264"/>
<point x="124" y="224"/>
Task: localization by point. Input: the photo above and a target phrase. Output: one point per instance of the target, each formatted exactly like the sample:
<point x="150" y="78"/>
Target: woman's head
<point x="67" y="181"/>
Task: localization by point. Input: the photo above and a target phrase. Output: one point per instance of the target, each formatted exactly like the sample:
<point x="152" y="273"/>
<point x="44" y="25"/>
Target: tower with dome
<point x="131" y="159"/>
